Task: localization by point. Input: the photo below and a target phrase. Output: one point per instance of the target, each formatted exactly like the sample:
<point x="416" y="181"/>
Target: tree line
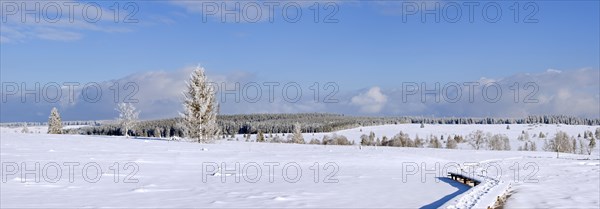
<point x="310" y="123"/>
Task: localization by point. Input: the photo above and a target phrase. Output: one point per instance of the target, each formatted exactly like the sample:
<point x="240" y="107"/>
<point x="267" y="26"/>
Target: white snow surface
<point x="167" y="174"/>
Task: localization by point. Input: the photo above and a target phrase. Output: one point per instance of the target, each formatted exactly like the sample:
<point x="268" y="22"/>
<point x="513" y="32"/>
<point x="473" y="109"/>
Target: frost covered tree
<point x="128" y="117"/>
<point x="542" y="135"/>
<point x="591" y="146"/>
<point x="418" y="141"/>
<point x="434" y="142"/>
<point x="25" y="129"/>
<point x="524" y="136"/>
<point x="157" y="132"/>
<point x="500" y="142"/>
<point x="200" y="108"/>
<point x="451" y="144"/>
<point x="582" y="147"/>
<point x="54" y="122"/>
<point x="560" y="143"/>
<point x="297" y="137"/>
<point x="314" y="141"/>
<point x="477" y="139"/>
<point x="384" y="141"/>
<point x="526" y="147"/>
<point x="260" y="137"/>
<point x="533" y="146"/>
<point x="458" y="139"/>
<point x="364" y="140"/>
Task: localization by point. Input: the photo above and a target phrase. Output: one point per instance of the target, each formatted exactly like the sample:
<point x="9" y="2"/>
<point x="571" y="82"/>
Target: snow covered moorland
<point x="75" y="171"/>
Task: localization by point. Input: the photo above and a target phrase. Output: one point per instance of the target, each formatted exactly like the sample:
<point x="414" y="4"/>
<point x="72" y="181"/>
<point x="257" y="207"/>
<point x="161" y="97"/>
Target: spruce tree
<point x="54" y="122"/>
<point x="298" y="138"/>
<point x="260" y="137"/>
<point x="200" y="108"/>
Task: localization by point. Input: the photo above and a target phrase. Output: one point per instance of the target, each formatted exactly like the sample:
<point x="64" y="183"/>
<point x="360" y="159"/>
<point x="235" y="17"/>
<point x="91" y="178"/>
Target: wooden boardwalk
<point x="464" y="179"/>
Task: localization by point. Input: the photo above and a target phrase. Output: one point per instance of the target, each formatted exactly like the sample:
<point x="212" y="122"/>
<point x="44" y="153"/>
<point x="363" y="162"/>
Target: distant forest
<point x="309" y="122"/>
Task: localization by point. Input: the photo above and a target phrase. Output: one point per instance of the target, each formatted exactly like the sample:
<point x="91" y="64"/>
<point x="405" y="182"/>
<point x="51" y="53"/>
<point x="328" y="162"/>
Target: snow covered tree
<point x="297" y="137"/>
<point x="314" y="141"/>
<point x="542" y="135"/>
<point x="533" y="146"/>
<point x="477" y="139"/>
<point x="54" y="122"/>
<point x="200" y="108"/>
<point x="384" y="141"/>
<point x="458" y="139"/>
<point x="560" y="143"/>
<point x="451" y="144"/>
<point x="524" y="136"/>
<point x="506" y="143"/>
<point x="260" y="137"/>
<point x="418" y="141"/>
<point x="127" y="117"/>
<point x="25" y="129"/>
<point x="591" y="146"/>
<point x="598" y="133"/>
<point x="582" y="147"/>
<point x="499" y="142"/>
<point x="434" y="142"/>
<point x="364" y="140"/>
<point x="157" y="132"/>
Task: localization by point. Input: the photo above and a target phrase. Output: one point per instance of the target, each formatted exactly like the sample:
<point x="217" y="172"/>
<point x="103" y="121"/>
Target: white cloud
<point x="571" y="92"/>
<point x="567" y="92"/>
<point x="371" y="101"/>
<point x="54" y="21"/>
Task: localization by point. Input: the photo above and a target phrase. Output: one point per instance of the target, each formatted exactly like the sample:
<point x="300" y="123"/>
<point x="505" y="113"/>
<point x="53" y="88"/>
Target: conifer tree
<point x="260" y="137"/>
<point x="200" y="108"/>
<point x="298" y="138"/>
<point x="54" y="122"/>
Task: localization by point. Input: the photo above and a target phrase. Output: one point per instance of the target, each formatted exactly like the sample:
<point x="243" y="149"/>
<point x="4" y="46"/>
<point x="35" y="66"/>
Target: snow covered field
<point x="138" y="173"/>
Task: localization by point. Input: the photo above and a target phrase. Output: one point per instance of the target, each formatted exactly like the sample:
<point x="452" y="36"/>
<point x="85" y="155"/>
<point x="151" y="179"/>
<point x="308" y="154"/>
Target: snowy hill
<point x="137" y="173"/>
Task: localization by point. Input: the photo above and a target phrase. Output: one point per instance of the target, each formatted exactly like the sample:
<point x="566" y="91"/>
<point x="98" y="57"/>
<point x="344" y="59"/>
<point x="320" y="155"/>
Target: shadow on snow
<point x="438" y="203"/>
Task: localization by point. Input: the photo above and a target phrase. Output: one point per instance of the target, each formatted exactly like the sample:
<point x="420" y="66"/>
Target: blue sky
<point x="370" y="45"/>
